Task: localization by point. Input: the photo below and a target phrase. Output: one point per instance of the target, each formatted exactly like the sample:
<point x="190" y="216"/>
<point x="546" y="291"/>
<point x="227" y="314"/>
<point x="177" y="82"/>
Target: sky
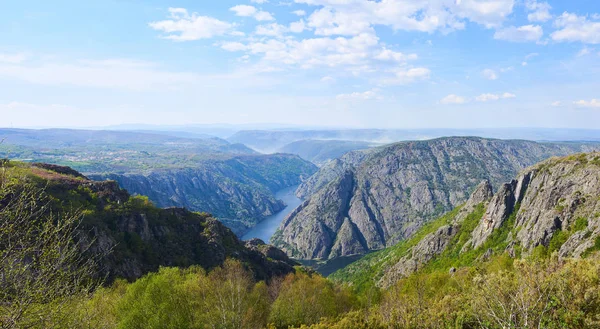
<point x="334" y="63"/>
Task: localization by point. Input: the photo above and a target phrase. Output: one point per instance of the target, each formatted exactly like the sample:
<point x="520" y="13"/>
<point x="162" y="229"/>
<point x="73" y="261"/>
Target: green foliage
<point x="498" y="294"/>
<point x="225" y="298"/>
<point x="558" y="239"/>
<point x="305" y="299"/>
<point x="592" y="249"/>
<point x="363" y="274"/>
<point x="580" y="224"/>
<point x="452" y="256"/>
<point x="43" y="261"/>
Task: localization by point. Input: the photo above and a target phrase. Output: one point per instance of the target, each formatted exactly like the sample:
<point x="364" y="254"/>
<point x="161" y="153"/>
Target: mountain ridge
<point x="550" y="207"/>
<point x="387" y="193"/>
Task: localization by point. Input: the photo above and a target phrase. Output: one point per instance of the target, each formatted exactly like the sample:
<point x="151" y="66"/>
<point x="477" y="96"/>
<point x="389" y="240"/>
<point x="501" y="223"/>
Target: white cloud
<point x="348" y="17"/>
<point x="364" y="96"/>
<point x="390" y="55"/>
<point x="595" y="103"/>
<point x="251" y="11"/>
<point x="272" y="30"/>
<point x="361" y="54"/>
<point x="489" y="74"/>
<point x="539" y="11"/>
<point x="556" y="103"/>
<point x="344" y="37"/>
<point x="185" y="27"/>
<point x="531" y="55"/>
<point x="244" y="10"/>
<point x="299" y="12"/>
<point x="327" y="79"/>
<point x="489" y="13"/>
<point x="13" y="58"/>
<point x="526" y="33"/>
<point x="523" y="63"/>
<point x="264" y="16"/>
<point x="576" y="28"/>
<point x="259" y="1"/>
<point x="110" y="74"/>
<point x="233" y="46"/>
<point x="584" y="51"/>
<point x="405" y="76"/>
<point x="487" y="97"/>
<point x="494" y="97"/>
<point x="328" y="21"/>
<point x="298" y="27"/>
<point x="453" y="99"/>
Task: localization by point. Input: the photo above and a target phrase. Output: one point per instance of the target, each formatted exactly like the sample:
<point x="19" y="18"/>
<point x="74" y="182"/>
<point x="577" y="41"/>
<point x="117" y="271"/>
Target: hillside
<point x="238" y="191"/>
<point x="552" y="207"/>
<point x="372" y="199"/>
<point x="203" y="174"/>
<point x="137" y="236"/>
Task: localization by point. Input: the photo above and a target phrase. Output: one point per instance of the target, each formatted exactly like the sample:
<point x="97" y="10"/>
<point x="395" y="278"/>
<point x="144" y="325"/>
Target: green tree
<point x="305" y="299"/>
<point x="226" y="298"/>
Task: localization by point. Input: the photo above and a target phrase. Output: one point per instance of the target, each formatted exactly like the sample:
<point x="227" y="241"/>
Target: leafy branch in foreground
<point x="43" y="261"/>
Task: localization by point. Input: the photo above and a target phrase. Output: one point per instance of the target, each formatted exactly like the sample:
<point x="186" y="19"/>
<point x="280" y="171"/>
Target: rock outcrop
<point x="559" y="197"/>
<point x="369" y="200"/>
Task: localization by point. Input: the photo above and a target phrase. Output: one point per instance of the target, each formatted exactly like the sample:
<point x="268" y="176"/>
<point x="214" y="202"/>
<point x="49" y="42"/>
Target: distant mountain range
<point x="268" y="141"/>
<point x="320" y="152"/>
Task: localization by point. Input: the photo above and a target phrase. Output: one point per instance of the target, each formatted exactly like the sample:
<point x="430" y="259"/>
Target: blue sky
<point x="347" y="63"/>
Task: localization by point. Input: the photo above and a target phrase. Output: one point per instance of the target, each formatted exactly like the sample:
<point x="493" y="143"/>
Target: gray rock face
<point x="483" y="193"/>
<point x="238" y="191"/>
<point x="500" y="209"/>
<point x="553" y="196"/>
<point x="321" y="232"/>
<point x="435" y="243"/>
<point x="331" y="171"/>
<point x="555" y="204"/>
<point x="387" y="193"/>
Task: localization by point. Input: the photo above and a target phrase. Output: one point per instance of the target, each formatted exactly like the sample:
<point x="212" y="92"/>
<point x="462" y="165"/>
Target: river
<point x="265" y="229"/>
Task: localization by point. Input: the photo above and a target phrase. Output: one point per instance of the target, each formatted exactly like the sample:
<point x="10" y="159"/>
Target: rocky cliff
<point x="134" y="237"/>
<point x="372" y="199"/>
<point x="550" y="208"/>
<point x="239" y="191"/>
<point x="554" y="204"/>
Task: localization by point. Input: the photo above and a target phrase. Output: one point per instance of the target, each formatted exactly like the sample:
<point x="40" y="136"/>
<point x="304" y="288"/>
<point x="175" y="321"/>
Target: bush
<point x="305" y="299"/>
